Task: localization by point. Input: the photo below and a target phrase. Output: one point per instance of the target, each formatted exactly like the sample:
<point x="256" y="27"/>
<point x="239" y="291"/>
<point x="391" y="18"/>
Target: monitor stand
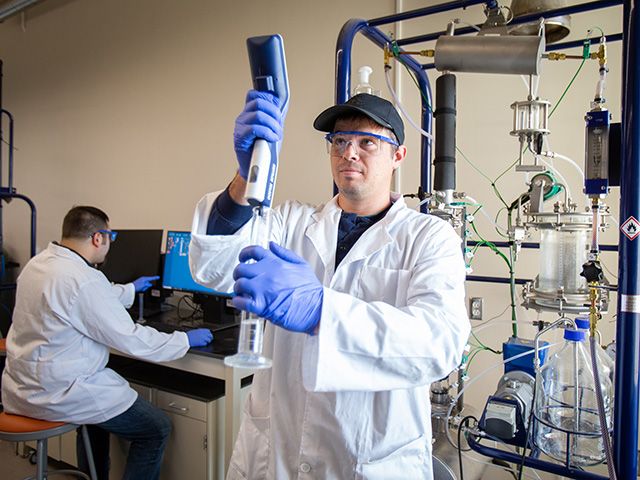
<point x="145" y="307"/>
<point x="141" y="318"/>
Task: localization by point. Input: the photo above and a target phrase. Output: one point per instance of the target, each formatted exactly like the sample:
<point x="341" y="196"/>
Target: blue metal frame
<point x="343" y="83"/>
<point x="625" y="433"/>
<point x="628" y="323"/>
<point x="473" y="243"/>
<point x="536" y="463"/>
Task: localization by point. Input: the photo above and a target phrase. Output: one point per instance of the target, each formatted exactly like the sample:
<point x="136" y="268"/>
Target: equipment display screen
<point x="135" y="253"/>
<point x="177" y="275"/>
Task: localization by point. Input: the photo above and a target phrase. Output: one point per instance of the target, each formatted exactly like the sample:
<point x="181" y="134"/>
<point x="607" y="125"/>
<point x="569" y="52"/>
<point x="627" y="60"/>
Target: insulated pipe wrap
<point x="490" y="54"/>
<point x="444" y="177"/>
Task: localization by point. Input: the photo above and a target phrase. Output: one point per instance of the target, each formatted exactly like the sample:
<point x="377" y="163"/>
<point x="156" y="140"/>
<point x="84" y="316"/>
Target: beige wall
<point x="129" y="105"/>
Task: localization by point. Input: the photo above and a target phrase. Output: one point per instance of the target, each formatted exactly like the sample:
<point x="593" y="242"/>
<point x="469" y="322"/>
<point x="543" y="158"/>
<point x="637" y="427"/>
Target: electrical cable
<point x="507" y="466"/>
<point x="568" y="87"/>
<point x="480" y="325"/>
<point x="395" y="50"/>
<point x="497" y="352"/>
<point x="472" y="164"/>
<point x="494" y="186"/>
<point x="495" y="221"/>
<point x="195" y="308"/>
<point x="484" y="212"/>
<point x="460" y="426"/>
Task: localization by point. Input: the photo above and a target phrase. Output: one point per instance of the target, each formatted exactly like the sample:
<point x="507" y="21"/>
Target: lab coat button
<point x="305" y="467"/>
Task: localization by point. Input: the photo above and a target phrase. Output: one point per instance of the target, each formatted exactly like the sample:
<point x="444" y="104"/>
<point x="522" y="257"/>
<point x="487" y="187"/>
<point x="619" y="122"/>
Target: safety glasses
<point x="111" y="233"/>
<point x="364" y="142"/>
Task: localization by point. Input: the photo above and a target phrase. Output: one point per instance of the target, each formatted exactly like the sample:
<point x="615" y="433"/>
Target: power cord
<point x="195" y="309"/>
<point x="462" y="424"/>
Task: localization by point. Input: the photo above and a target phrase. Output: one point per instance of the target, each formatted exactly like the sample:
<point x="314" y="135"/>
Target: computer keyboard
<point x="171" y="327"/>
<point x="167" y="327"/>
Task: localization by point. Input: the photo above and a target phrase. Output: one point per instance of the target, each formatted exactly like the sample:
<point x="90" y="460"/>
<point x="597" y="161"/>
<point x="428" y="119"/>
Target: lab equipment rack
<point x="627" y="394"/>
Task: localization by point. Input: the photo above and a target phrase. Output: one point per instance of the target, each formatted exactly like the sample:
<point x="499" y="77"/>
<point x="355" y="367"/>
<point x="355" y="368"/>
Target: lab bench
<point x="195" y="404"/>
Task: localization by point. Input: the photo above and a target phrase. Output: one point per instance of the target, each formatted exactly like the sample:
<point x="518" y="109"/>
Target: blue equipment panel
<point x="515" y="346"/>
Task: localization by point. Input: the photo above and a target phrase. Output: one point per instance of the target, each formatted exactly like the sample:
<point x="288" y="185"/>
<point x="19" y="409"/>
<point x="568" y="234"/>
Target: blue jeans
<point x="145" y="426"/>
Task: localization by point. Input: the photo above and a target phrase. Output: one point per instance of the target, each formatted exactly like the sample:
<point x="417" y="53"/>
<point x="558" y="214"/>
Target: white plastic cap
<point x="364" y="73"/>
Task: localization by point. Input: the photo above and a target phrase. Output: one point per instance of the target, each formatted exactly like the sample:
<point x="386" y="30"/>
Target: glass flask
<point x="567" y="426"/>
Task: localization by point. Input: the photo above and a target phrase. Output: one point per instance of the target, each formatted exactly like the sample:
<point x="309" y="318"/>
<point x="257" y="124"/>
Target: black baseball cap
<point x="377" y="109"/>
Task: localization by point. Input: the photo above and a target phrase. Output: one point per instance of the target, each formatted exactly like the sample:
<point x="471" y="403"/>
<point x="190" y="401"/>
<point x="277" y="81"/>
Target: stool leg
<point x="42" y="459"/>
<point x="89" y="452"/>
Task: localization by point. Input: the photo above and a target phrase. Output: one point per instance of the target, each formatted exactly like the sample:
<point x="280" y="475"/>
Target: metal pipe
<point x="625" y="431"/>
<point x="616" y="37"/>
<point x="503" y="54"/>
<point x="473" y="243"/>
<point x="422" y="12"/>
<point x="343" y="84"/>
<point x="487" y="279"/>
<point x="16" y="6"/>
<point x="516" y="458"/>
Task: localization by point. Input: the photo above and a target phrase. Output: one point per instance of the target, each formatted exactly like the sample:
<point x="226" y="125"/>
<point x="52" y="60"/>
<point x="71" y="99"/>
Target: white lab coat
<point x="67" y="316"/>
<point x="353" y="400"/>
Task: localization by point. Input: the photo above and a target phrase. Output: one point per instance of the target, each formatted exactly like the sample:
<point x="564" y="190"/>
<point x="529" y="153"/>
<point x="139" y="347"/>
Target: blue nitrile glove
<point x="280" y="286"/>
<point x="144" y="283"/>
<point x="199" y="337"/>
<point x="261" y="118"/>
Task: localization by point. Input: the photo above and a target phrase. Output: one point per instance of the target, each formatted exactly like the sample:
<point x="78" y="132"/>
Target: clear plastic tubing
<point x="251" y="338"/>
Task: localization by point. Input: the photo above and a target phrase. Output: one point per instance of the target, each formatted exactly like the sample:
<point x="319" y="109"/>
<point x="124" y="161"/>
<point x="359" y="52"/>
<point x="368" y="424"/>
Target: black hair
<point x="83" y="221"/>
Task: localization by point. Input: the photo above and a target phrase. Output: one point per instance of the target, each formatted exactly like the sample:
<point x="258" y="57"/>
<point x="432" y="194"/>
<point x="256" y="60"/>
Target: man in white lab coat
<point x="66" y="318"/>
<point x="365" y="299"/>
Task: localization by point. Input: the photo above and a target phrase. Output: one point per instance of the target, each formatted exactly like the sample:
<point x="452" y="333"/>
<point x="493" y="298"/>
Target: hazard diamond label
<point x="631" y="228"/>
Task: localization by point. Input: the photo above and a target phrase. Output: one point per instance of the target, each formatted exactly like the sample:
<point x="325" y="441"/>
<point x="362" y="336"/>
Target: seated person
<point x="66" y="318"/>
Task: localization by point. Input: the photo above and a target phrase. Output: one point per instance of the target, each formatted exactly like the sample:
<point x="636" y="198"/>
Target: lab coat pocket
<point x="385" y="285"/>
<point x="411" y="461"/>
<point x="250" y="459"/>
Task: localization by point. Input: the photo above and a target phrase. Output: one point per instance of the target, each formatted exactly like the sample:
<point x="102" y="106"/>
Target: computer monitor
<point x="135" y="253"/>
<point x="176" y="274"/>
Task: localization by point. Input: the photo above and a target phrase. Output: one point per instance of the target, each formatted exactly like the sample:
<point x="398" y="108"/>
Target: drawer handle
<point x="178" y="407"/>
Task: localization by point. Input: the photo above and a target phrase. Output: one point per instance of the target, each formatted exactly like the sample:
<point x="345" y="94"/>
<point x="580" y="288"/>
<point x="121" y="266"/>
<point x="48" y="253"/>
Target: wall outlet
<point x="475" y="308"/>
